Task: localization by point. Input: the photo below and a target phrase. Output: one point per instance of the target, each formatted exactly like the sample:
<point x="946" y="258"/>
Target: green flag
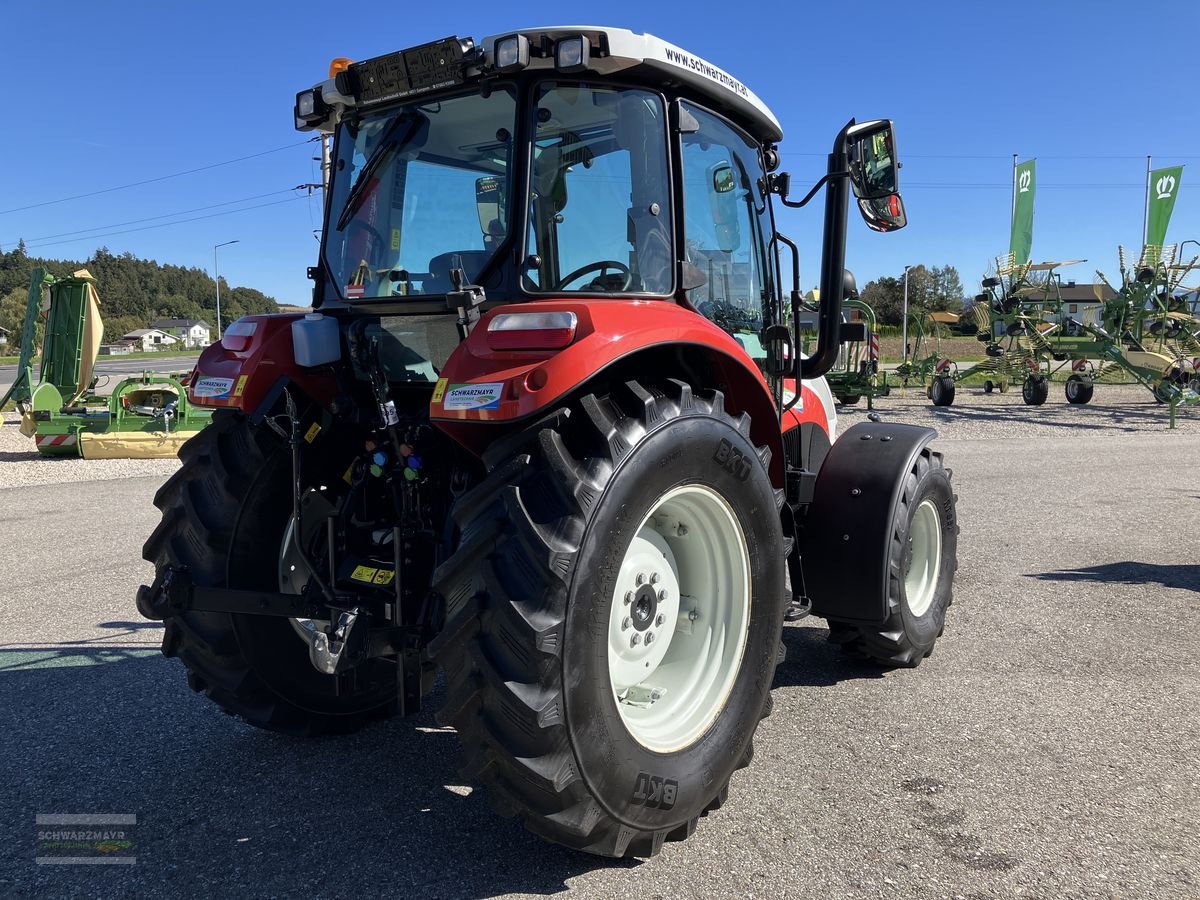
<point x="1022" y="220"/>
<point x="1164" y="188"/>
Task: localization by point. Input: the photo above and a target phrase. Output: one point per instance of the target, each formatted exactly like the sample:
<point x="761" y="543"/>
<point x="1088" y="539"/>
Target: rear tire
<point x="849" y="399"/>
<point x="1035" y="390"/>
<point x="922" y="562"/>
<point x="1079" y="389"/>
<point x="224" y="516"/>
<point x="941" y="391"/>
<point x="535" y="639"/>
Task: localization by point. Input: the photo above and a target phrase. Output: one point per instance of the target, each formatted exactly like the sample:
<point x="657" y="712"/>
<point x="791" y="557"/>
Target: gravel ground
<point x="21" y="465"/>
<point x="1050" y="747"/>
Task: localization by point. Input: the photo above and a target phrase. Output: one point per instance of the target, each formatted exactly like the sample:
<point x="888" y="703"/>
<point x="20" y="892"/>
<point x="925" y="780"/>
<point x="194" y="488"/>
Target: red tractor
<point x="548" y="430"/>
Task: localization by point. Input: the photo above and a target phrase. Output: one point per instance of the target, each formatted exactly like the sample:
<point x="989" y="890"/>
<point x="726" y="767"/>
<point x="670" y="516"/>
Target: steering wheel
<point x="600" y="266"/>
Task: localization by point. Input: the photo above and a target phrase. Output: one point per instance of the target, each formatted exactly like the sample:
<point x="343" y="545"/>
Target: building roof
<point x="180" y="323"/>
<point x="142" y="332"/>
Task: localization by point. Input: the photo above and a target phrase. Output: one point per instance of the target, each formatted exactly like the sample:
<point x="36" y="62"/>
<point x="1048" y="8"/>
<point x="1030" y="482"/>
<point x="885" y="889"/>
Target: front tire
<point x="923" y="558"/>
<point x="224" y="514"/>
<point x="540" y="661"/>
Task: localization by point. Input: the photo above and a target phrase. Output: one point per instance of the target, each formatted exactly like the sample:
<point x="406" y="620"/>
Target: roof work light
<point x="572" y="54"/>
<point x="511" y="53"/>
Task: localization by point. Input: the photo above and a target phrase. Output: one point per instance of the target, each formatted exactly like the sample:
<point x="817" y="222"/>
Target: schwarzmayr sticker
<point x="473" y="396"/>
<point x="217" y="388"/>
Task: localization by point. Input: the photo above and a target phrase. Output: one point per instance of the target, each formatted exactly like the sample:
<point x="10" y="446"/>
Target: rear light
<point x="237" y="336"/>
<point x="532" y="331"/>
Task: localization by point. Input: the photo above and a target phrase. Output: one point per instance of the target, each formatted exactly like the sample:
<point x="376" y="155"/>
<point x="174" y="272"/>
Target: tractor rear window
<point x="600" y="204"/>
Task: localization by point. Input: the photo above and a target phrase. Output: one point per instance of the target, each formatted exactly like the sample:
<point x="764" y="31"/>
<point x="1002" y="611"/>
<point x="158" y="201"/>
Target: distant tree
<point x="885" y="295"/>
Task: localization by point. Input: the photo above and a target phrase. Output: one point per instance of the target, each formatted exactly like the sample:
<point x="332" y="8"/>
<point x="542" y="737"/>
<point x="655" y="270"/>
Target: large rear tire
<point x="923" y="560"/>
<point x="647" y="511"/>
<point x="224" y="516"/>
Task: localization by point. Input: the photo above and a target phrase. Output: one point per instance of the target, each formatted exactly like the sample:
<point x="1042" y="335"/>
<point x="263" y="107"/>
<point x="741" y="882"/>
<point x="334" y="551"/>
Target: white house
<point x="147" y="339"/>
<point x="192" y="332"/>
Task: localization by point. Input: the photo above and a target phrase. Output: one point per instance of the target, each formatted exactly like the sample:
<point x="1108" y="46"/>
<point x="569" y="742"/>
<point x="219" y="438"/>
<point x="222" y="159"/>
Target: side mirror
<point x="875" y="174"/>
<point x="723" y="203"/>
<point x="489" y="202"/>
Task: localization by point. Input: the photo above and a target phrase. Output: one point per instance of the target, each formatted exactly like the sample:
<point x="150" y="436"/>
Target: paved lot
<point x="1049" y="748"/>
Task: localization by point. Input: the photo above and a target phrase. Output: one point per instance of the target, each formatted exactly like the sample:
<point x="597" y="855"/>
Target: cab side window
<point x="722" y="207"/>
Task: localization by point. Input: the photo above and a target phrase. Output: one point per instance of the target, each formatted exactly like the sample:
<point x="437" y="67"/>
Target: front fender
<point x="480" y="385"/>
<point x="847" y="530"/>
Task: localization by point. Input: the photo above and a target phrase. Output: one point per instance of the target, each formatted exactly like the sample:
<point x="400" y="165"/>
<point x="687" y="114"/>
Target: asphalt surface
<point x="1049" y="748"/>
<point x="114" y="368"/>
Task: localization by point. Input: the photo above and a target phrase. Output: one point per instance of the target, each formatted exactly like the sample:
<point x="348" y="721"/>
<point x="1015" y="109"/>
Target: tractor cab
<point x="567" y="163"/>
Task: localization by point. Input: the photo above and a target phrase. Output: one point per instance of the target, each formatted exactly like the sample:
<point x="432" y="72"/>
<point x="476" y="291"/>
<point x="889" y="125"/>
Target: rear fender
<point x="483" y="393"/>
<point x="244" y="372"/>
<point x="847" y="530"/>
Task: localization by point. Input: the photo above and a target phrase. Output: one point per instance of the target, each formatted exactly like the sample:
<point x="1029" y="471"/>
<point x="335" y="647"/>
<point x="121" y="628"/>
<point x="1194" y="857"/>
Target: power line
<point x="228" y="212"/>
<point x="182" y="212"/>
<point x="133" y="184"/>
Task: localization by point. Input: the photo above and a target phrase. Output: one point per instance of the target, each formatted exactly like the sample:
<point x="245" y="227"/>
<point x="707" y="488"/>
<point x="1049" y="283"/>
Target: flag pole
<point x="1013" y="211"/>
<point x="1146" y="205"/>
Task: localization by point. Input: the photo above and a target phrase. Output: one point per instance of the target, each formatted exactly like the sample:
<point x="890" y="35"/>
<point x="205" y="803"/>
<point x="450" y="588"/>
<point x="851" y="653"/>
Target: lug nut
<point x="661" y="618"/>
<point x="655" y="578"/>
<point x="693" y="615"/>
<point x="662" y="595"/>
<point x="635" y="640"/>
<point x="625" y="623"/>
<point x="682" y="530"/>
<point x="639" y="579"/>
<point x="628" y="597"/>
<point x="649" y="638"/>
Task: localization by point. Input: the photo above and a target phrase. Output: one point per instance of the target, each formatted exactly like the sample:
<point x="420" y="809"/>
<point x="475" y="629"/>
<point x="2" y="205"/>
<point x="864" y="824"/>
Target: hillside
<point x="133" y="292"/>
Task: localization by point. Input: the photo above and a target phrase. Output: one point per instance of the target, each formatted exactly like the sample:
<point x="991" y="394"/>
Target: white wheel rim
<point x="680" y="617"/>
<point x="925" y="558"/>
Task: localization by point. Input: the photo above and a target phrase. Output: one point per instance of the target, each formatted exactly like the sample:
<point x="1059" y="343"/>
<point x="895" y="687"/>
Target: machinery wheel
<point x="1035" y="390"/>
<point x="941" y="391"/>
<point x="1079" y="389"/>
<point x="988" y="386"/>
<point x="614" y="612"/>
<point x="849" y="399"/>
<point x="224" y="515"/>
<point x="923" y="559"/>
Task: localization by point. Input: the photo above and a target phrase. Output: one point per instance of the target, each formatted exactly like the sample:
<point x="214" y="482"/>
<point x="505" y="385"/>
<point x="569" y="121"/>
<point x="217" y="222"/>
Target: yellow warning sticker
<point x="364" y="573"/>
<point x="313" y="431"/>
<point x="384" y="576"/>
<point x="439" y="390"/>
<point x="395" y="238"/>
<point x="240" y="386"/>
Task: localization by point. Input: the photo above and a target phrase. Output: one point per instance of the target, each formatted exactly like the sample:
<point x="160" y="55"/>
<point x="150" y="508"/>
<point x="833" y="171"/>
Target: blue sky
<point x="108" y="94"/>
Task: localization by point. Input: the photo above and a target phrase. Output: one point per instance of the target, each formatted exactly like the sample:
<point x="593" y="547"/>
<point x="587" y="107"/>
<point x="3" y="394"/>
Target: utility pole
<point x="217" y="279"/>
<point x="904" y="317"/>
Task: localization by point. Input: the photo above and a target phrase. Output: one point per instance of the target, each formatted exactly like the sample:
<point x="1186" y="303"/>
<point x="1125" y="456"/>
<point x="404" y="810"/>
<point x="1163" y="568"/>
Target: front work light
<point x="572" y="54"/>
<point x="310" y="108"/>
<point x="511" y="53"/>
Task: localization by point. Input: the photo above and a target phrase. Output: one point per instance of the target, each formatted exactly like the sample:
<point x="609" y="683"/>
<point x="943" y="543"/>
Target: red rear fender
<point x="238" y="371"/>
<point x="615" y="338"/>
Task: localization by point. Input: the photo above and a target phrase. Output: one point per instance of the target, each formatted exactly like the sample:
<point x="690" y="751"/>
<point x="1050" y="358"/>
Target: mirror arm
<point x="833" y="265"/>
<point x="796" y="204"/>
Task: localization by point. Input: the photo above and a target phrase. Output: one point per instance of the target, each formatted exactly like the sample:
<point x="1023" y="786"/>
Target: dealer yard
<point x="1050" y="747"/>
